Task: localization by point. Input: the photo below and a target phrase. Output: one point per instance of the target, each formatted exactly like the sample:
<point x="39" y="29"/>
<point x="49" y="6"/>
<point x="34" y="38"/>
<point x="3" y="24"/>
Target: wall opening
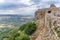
<point x="49" y="11"/>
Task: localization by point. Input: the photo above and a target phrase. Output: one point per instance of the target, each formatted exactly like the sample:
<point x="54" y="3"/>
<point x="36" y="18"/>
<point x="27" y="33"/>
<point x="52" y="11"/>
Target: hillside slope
<point x="20" y="33"/>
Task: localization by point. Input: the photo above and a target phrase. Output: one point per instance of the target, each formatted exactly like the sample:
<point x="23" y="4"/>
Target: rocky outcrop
<point x="44" y="19"/>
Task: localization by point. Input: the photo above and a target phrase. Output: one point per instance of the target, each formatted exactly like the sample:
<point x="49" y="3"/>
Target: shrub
<point x="57" y="31"/>
<point x="28" y="28"/>
<point x="22" y="36"/>
<point x="6" y="39"/>
<point x="17" y="36"/>
<point x="58" y="34"/>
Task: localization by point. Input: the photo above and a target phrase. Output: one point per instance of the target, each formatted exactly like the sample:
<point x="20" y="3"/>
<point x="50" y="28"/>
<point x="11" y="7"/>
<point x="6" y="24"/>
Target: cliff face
<point x="46" y="20"/>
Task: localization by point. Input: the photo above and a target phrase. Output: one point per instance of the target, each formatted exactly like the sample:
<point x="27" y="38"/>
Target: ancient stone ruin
<point x="48" y="24"/>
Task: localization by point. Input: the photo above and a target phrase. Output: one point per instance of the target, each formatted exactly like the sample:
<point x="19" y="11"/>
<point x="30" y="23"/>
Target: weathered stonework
<point x="46" y="20"/>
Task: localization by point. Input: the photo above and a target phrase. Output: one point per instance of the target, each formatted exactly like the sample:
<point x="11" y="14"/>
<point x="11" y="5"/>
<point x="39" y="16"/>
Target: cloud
<point x="17" y="7"/>
<point x="7" y="12"/>
<point x="13" y="4"/>
<point x="26" y="10"/>
<point x="26" y="2"/>
<point x="46" y="3"/>
<point x="1" y="1"/>
<point x="24" y="6"/>
<point x="9" y="6"/>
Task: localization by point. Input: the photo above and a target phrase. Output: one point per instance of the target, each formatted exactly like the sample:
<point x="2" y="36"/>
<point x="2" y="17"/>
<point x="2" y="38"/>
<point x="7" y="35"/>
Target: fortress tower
<point x="47" y="20"/>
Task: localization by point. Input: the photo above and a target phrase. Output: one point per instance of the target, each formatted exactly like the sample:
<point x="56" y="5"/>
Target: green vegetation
<point x="57" y="31"/>
<point x="17" y="36"/>
<point x="20" y="33"/>
<point x="28" y="28"/>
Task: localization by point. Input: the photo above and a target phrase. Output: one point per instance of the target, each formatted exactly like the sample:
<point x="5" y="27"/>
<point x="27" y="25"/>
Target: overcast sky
<point x="24" y="6"/>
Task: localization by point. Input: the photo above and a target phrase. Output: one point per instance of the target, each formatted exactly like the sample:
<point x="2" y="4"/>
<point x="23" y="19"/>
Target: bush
<point x="28" y="28"/>
<point x="22" y="36"/>
<point x="6" y="39"/>
<point x="17" y="36"/>
<point x="57" y="31"/>
<point x="58" y="34"/>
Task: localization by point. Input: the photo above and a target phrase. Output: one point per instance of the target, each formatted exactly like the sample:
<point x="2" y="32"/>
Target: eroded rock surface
<point x="46" y="20"/>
